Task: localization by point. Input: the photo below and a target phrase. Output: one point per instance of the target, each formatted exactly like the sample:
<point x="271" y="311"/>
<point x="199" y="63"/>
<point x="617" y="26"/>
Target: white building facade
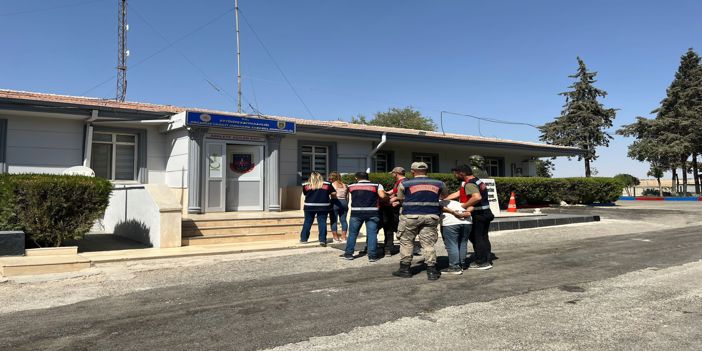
<point x="218" y="162"/>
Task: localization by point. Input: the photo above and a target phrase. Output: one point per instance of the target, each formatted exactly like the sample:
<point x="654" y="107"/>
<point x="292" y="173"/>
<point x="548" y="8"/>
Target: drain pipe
<point x="87" y="148"/>
<point x="369" y="158"/>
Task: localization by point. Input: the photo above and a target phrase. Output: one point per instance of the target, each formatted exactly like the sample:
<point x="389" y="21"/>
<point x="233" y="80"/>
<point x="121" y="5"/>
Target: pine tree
<point x="584" y="121"/>
<point x="678" y="116"/>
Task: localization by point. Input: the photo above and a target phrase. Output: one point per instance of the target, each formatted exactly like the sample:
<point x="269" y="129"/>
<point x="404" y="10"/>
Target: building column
<point x="273" y="172"/>
<point x="3" y="146"/>
<point x="195" y="150"/>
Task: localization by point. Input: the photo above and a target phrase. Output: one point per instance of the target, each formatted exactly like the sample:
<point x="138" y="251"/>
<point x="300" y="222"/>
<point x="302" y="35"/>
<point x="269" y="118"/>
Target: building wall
<point x="156" y="155"/>
<point x="450" y="157"/>
<point x="176" y="158"/>
<point x="43" y="145"/>
<point x="288" y="161"/>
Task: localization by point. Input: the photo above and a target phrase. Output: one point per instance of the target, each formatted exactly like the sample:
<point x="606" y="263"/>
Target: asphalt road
<point x="558" y="284"/>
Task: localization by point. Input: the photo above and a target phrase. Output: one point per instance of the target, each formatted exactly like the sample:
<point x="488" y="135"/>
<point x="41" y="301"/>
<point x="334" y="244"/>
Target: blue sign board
<point x="199" y="119"/>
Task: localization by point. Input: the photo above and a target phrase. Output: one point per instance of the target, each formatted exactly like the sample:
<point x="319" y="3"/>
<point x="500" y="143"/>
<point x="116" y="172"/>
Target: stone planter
<point x="11" y="243"/>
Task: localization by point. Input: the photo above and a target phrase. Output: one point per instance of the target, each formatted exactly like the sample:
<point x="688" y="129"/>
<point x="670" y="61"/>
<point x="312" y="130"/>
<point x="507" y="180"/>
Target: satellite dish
<point x="80" y="171"/>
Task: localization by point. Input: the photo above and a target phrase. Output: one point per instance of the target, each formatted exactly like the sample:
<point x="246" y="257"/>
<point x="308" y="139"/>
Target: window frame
<point x="389" y="161"/>
<point x="499" y="162"/>
<point x="331" y="162"/>
<point x="434" y="166"/>
<point x="140" y="144"/>
<point x="113" y="157"/>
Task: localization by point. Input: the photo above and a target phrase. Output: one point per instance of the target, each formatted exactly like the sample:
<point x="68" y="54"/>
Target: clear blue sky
<point x="499" y="59"/>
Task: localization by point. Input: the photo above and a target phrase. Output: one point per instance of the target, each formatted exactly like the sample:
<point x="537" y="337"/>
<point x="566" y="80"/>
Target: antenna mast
<point x="238" y="59"/>
<point x="122" y="28"/>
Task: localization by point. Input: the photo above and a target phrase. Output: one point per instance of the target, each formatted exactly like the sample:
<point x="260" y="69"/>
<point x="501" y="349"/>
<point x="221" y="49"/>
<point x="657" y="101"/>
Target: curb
<point x="651" y="198"/>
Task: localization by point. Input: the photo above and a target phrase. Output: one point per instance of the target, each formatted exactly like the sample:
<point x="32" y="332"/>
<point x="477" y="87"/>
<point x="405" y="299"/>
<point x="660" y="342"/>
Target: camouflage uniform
<point x="423" y="222"/>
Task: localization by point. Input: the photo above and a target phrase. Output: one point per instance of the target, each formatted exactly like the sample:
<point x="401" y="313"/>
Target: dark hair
<point x="463" y="169"/>
<point x="361" y="175"/>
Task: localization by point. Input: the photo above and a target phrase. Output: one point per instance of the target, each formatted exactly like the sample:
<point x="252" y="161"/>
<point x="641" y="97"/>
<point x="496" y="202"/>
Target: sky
<point x="334" y="59"/>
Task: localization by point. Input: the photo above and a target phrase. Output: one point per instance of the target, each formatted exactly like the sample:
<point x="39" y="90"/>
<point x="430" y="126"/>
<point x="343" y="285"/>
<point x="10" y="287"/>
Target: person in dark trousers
<point x="419" y="218"/>
<point x="391" y="211"/>
<point x="365" y="209"/>
<point x="318" y="196"/>
<point x="473" y="197"/>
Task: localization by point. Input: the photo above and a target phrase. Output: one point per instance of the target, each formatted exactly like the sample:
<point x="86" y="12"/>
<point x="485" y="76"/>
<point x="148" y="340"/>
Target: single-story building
<point x="214" y="161"/>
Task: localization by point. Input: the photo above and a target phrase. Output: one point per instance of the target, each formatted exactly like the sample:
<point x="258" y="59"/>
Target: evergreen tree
<point x="583" y="121"/>
<point x="678" y="118"/>
<point x="406" y="117"/>
<point x="648" y="146"/>
<point x="544" y="168"/>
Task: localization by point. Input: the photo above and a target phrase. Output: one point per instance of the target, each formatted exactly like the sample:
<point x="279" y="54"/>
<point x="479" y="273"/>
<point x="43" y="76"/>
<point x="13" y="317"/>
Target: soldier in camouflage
<point x="420" y="216"/>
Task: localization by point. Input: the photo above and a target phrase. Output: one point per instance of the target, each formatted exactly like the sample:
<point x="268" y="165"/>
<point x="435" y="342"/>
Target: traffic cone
<point x="512" y="207"/>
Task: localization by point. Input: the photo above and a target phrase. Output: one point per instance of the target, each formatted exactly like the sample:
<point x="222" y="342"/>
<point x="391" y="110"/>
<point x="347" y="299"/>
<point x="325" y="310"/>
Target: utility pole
<point x="122" y="28"/>
<point x="238" y="59"/>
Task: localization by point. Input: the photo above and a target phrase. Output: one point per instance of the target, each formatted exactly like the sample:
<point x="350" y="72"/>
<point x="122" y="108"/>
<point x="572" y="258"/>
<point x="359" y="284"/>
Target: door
<point x="244" y="177"/>
<point x="215" y="185"/>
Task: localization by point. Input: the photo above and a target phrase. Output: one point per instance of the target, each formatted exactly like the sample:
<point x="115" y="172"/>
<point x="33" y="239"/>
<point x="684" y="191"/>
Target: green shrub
<point x="592" y="190"/>
<point x="531" y="190"/>
<point x="8" y="216"/>
<point x="53" y="208"/>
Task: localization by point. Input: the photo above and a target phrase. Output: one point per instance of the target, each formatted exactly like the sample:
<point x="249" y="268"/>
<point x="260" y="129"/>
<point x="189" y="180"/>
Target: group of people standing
<point x="413" y="209"/>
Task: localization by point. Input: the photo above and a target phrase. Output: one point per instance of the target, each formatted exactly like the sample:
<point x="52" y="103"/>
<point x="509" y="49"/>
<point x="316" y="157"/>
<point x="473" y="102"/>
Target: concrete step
<point x="263" y="229"/>
<point x="236" y="238"/>
<point x="242" y="222"/>
<point x="52" y="251"/>
<point x="15" y="266"/>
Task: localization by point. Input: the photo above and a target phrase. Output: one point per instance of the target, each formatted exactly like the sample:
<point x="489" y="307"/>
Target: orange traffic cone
<point x="512" y="207"/>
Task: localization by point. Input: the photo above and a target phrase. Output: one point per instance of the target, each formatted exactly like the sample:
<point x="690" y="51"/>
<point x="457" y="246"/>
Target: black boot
<point x="433" y="273"/>
<point x="403" y="272"/>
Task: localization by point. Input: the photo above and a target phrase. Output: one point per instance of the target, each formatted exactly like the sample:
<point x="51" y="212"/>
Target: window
<point x="314" y="158"/>
<point x="114" y="156"/>
<point x="432" y="161"/>
<point x="492" y="167"/>
<point x="383" y="161"/>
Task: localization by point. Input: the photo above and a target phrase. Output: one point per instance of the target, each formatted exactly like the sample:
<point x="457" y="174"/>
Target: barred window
<point x="114" y="155"/>
<point x="314" y="158"/>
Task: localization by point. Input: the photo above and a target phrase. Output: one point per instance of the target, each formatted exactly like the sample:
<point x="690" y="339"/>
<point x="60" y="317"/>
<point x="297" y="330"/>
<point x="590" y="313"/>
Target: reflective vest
<point x="397" y="183"/>
<point x="422" y="196"/>
<point x="484" y="202"/>
<point x="318" y="199"/>
<point x="463" y="198"/>
<point x="364" y="198"/>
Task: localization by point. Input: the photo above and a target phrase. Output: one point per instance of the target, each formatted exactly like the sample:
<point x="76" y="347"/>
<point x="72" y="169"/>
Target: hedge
<point x="531" y="190"/>
<point x="52" y="208"/>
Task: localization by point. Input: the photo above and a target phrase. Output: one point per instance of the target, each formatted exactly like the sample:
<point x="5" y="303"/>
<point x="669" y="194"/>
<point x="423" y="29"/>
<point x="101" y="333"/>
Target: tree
<point x="679" y="116"/>
<point x="629" y="182"/>
<point x="656" y="171"/>
<point x="406" y="117"/>
<point x="544" y="168"/>
<point x="648" y="146"/>
<point x="583" y="121"/>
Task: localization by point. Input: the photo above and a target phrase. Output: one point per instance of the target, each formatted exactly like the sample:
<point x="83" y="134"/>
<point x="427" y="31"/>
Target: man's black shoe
<point x="323" y="244"/>
<point x="403" y="272"/>
<point x="347" y="256"/>
<point x="481" y="266"/>
<point x="433" y="273"/>
<point x="373" y="259"/>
